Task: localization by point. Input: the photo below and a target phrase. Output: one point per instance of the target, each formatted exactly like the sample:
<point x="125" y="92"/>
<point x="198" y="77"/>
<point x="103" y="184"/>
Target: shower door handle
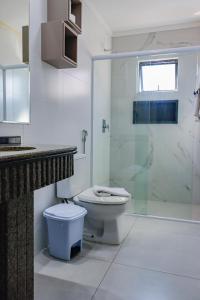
<point x="105" y="126"/>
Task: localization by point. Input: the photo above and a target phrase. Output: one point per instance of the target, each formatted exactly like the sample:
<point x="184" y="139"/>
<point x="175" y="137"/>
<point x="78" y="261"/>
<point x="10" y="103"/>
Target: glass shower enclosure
<point x="151" y="142"/>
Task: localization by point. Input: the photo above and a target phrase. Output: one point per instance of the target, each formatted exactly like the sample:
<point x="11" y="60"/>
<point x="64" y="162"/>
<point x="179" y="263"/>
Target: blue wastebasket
<point x="65" y="224"/>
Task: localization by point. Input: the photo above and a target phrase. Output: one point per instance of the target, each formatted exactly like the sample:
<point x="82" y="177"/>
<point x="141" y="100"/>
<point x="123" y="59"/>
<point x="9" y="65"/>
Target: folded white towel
<point x="103" y="191"/>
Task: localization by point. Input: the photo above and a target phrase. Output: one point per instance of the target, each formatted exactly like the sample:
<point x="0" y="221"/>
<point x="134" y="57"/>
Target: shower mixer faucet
<point x="84" y="138"/>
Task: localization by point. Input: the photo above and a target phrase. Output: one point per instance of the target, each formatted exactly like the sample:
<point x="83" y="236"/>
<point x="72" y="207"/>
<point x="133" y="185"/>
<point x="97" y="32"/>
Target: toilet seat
<point x="88" y="196"/>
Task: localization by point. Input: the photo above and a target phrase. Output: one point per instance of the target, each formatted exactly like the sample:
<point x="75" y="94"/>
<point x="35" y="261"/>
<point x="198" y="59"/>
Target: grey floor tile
<point x="49" y="288"/>
<point x="172" y="227"/>
<point x="159" y="260"/>
<point x="161" y="249"/>
<point x="129" y="283"/>
<point x="80" y="270"/>
<point x="99" y="251"/>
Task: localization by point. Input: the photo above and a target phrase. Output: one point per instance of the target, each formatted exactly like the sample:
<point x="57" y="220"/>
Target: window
<point x="14" y="94"/>
<point x="158" y="75"/>
<point x="155" y="112"/>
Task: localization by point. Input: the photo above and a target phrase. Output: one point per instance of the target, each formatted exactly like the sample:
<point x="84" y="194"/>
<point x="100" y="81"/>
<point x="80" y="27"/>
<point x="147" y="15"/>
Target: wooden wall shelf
<point x="59" y="44"/>
<point x="66" y="10"/>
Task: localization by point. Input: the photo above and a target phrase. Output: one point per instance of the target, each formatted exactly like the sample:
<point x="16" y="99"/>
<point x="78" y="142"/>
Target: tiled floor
<point x="165" y="209"/>
<point x="159" y="260"/>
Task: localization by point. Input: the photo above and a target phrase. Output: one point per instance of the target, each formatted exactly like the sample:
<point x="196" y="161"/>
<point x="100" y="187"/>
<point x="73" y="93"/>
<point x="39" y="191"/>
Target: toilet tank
<point x="72" y="186"/>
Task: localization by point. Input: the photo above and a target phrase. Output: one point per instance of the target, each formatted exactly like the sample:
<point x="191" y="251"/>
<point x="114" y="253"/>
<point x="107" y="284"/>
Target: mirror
<point x="14" y="61"/>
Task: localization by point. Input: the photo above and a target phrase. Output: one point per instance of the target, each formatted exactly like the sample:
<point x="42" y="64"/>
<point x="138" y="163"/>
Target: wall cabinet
<point x="69" y="11"/>
<point x="60" y="33"/>
<point x="59" y="45"/>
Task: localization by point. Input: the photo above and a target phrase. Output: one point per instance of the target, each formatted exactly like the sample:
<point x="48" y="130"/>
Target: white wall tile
<point x="157" y="40"/>
<point x="60" y="99"/>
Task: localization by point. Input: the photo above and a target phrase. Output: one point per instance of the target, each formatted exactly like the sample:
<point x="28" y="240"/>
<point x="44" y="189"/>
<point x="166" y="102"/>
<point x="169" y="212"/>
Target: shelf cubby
<point x="62" y="10"/>
<point x="59" y="45"/>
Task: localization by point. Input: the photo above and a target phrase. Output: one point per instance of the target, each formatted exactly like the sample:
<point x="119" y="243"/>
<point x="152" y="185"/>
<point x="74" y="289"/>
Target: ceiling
<point x="14" y="13"/>
<point x="129" y="15"/>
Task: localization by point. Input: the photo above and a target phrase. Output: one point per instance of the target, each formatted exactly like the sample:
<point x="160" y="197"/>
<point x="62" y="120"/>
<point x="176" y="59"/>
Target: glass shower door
<point x="130" y="150"/>
<point x="154" y="139"/>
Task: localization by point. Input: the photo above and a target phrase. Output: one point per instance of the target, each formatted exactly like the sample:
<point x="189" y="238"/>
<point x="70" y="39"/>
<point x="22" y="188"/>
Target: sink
<point x="15" y="148"/>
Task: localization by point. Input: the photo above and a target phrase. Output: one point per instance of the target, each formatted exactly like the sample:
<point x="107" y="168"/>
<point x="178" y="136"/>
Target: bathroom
<point x="158" y="164"/>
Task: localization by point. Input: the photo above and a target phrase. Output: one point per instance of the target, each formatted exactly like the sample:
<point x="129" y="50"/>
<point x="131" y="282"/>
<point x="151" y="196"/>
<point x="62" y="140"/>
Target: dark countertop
<point x="40" y="152"/>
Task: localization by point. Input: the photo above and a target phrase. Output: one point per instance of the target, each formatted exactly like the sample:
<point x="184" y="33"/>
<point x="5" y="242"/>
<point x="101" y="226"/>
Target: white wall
<point x="157" y="40"/>
<point x="11" y="49"/>
<point x="60" y="99"/>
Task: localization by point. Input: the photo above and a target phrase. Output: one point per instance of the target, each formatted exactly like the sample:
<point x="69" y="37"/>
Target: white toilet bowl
<point x="105" y="221"/>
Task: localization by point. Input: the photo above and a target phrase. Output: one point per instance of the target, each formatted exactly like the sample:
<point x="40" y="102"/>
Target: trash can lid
<point x="66" y="212"/>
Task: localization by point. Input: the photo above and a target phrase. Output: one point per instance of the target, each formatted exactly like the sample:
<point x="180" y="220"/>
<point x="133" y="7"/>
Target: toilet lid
<point x="89" y="197"/>
<point x="66" y="212"/>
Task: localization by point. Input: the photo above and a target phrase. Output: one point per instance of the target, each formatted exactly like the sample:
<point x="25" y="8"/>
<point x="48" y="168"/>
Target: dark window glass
<point x="155" y="112"/>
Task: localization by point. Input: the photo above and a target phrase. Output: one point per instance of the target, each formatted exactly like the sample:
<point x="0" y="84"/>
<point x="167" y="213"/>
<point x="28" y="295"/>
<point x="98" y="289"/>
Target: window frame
<point x="156" y="63"/>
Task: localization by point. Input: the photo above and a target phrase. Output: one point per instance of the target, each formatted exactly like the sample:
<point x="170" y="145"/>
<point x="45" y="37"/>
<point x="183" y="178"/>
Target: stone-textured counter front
<point x="20" y="174"/>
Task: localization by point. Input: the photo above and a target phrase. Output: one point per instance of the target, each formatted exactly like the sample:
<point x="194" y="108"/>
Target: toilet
<point x="105" y="221"/>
